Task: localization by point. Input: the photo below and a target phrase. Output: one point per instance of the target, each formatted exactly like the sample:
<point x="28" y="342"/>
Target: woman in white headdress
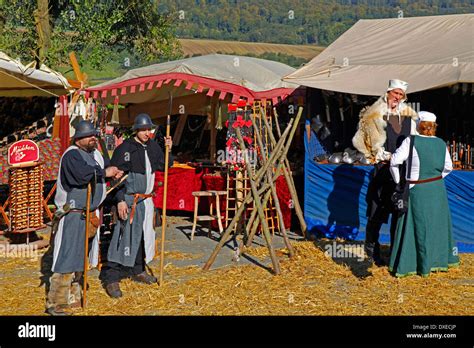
<point x="424" y="240"/>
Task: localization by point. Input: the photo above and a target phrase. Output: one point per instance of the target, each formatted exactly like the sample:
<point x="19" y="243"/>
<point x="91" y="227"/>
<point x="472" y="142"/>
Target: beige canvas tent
<point x="18" y="80"/>
<point x="428" y="52"/>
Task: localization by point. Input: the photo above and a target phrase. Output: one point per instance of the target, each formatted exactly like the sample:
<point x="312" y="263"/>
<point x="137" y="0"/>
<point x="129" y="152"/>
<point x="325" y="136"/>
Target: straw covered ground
<point x="310" y="284"/>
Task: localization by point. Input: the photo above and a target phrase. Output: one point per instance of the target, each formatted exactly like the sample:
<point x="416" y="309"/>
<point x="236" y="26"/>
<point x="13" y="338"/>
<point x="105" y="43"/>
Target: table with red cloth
<point x="182" y="182"/>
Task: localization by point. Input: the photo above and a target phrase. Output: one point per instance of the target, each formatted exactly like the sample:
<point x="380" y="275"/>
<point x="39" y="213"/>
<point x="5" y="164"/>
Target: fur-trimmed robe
<point x="371" y="132"/>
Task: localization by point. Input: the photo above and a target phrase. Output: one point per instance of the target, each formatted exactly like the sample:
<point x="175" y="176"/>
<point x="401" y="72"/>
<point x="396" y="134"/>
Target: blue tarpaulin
<point x="335" y="206"/>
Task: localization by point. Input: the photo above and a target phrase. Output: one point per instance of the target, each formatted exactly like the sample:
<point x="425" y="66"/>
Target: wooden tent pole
<point x="212" y="144"/>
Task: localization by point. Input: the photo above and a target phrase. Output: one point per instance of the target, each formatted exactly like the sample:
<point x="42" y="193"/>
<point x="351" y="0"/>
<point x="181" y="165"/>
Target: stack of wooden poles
<point x="263" y="186"/>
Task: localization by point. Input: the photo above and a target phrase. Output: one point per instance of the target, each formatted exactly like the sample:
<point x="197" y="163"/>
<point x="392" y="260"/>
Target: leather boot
<point x="144" y="278"/>
<point x="113" y="290"/>
<point x="369" y="251"/>
<point x="377" y="257"/>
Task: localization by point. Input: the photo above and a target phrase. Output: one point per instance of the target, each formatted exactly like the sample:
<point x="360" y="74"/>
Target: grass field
<point x="193" y="46"/>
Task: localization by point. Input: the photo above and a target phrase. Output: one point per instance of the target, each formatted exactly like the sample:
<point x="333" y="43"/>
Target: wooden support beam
<point x="280" y="167"/>
<point x="179" y="129"/>
<point x="76" y="68"/>
<point x="45" y="203"/>
<point x="212" y="145"/>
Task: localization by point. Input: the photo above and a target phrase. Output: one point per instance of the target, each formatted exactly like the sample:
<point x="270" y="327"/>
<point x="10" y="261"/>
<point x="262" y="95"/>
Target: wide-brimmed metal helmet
<point x="335" y="158"/>
<point x="85" y="129"/>
<point x="143" y="121"/>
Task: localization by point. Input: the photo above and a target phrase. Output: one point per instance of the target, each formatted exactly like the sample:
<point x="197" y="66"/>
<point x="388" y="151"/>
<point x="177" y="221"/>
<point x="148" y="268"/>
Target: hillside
<point x="313" y="22"/>
<point x="293" y="55"/>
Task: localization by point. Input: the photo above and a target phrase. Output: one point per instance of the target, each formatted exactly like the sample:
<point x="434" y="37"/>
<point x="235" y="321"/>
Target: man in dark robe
<point x="133" y="240"/>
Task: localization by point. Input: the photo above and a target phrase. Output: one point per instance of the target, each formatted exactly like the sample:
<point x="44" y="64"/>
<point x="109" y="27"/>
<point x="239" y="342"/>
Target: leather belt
<point x="425" y="180"/>
<point x="136" y="197"/>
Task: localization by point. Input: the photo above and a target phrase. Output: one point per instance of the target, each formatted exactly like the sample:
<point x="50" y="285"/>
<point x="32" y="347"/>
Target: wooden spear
<point x="86" y="246"/>
<point x="165" y="193"/>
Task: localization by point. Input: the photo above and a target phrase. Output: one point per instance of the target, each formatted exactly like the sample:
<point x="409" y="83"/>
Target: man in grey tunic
<point x="133" y="240"/>
<point x="80" y="165"/>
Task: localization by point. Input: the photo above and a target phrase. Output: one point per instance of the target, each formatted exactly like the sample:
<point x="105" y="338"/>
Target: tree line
<point x="292" y="22"/>
<point x="110" y="36"/>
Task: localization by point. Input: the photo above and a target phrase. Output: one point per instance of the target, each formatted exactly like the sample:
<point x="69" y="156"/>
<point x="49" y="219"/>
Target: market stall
<point x="24" y="194"/>
<point x="349" y="75"/>
<point x="197" y="93"/>
<point x="337" y="207"/>
<point x="185" y="180"/>
<point x="18" y="80"/>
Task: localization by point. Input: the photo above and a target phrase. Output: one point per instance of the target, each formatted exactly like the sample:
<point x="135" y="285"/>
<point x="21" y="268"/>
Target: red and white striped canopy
<point x="225" y="76"/>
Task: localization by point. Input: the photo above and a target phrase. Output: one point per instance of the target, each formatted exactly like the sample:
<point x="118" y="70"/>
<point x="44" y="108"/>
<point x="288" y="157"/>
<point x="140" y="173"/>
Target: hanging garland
<point x="238" y="118"/>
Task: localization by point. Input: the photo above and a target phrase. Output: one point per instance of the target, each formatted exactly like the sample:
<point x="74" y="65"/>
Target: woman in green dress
<point x="424" y="240"/>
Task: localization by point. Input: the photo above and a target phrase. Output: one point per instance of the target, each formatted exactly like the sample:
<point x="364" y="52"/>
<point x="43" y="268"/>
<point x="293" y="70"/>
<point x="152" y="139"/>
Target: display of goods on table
<point x="461" y="154"/>
<point x="26" y="195"/>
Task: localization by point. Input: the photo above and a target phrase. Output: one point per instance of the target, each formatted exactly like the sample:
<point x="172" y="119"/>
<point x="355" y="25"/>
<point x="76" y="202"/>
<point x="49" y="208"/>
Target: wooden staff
<point x="117" y="184"/>
<point x="165" y="193"/>
<point x="86" y="246"/>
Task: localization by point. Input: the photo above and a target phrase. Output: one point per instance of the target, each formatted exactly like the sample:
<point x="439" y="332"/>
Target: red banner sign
<point x="23" y="151"/>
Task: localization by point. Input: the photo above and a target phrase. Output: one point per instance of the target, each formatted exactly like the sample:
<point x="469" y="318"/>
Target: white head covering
<point x="394" y="84"/>
<point x="425" y="116"/>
